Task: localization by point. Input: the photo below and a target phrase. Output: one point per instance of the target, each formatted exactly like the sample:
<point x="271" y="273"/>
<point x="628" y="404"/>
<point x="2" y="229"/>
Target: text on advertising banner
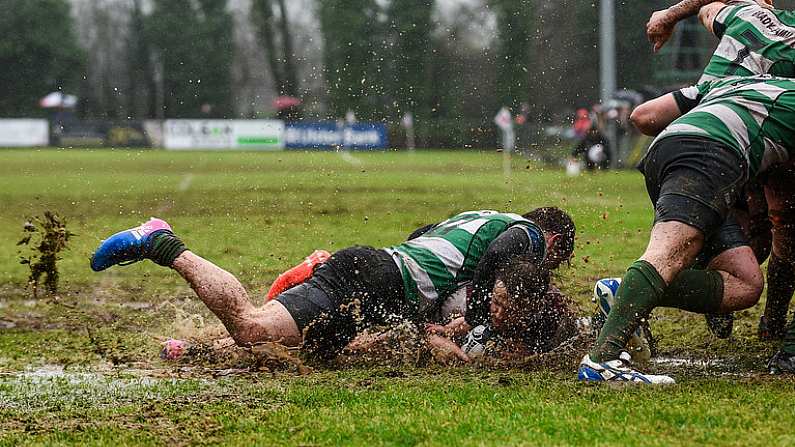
<point x="330" y="135"/>
<point x="223" y="134"/>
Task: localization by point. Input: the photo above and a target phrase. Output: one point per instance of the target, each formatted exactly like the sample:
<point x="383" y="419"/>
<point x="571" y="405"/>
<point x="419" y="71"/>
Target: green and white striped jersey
<point x="753" y="41"/>
<point x="437" y="263"/>
<point x="755" y="116"/>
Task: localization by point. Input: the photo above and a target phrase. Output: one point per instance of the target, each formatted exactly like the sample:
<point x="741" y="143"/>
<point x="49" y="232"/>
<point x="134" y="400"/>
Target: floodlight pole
<point x="607" y="68"/>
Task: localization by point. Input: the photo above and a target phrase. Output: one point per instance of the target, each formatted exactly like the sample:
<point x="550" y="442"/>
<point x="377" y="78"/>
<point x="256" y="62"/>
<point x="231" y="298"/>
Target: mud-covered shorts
<point x="697" y="181"/>
<point x="356" y="288"/>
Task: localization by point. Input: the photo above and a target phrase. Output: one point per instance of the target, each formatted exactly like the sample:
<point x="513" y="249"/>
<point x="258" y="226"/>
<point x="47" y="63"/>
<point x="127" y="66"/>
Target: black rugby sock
<point x="780" y="286"/>
<point x="164" y="248"/>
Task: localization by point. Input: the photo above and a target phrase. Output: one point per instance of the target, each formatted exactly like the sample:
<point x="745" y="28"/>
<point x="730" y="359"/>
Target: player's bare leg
<point x="673" y="246"/>
<point x="218" y="289"/>
<point x="226" y="297"/>
<point x="742" y="278"/>
<point x="659" y="278"/>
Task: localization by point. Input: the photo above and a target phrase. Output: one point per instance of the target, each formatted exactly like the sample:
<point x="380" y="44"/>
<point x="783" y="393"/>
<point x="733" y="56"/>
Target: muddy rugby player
<point x="754" y="39"/>
<point x="733" y="130"/>
<point x="359" y="287"/>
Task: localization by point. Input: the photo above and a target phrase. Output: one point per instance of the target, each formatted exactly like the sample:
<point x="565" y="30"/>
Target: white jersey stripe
<point x="773" y="30"/>
<point x="731" y="120"/>
<point x="442" y="249"/>
<point x="730" y="48"/>
<point x="474" y="226"/>
<point x="769" y="90"/>
<point x="425" y="287"/>
<point x="679" y="127"/>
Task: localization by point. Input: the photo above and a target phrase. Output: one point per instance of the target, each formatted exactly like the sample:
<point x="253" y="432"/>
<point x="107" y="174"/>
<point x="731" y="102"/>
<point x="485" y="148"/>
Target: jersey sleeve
<point x="728" y="15"/>
<point x="511" y="243"/>
<point x="689" y="97"/>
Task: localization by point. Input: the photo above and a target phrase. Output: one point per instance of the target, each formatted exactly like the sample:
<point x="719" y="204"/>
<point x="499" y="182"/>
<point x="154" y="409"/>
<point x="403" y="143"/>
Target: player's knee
<point x="271" y="323"/>
<point x="247" y="334"/>
<point x="751" y="292"/>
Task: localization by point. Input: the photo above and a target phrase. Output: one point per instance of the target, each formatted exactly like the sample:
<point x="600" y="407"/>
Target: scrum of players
<point x="719" y="178"/>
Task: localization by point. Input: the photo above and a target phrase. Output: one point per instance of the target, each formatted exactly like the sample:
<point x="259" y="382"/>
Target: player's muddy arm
<point x="651" y="117"/>
<point x="708" y="13"/>
<point x="456" y="328"/>
<point x="662" y="23"/>
<point x="446" y="350"/>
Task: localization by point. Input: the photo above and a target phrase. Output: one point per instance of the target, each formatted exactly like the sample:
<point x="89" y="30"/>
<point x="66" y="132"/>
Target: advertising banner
<point x="223" y="134"/>
<point x="100" y="133"/>
<point x="330" y="135"/>
<point x="24" y="132"/>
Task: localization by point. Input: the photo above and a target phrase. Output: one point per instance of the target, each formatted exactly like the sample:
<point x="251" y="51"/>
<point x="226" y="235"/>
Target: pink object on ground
<point x="173" y="349"/>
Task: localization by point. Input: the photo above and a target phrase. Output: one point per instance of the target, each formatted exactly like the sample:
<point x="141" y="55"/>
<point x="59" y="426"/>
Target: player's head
<point x="559" y="232"/>
<point x="525" y="310"/>
<point x="519" y="290"/>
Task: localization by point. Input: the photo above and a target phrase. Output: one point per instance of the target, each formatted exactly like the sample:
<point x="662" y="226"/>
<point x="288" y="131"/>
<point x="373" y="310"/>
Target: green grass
<point x="257" y="213"/>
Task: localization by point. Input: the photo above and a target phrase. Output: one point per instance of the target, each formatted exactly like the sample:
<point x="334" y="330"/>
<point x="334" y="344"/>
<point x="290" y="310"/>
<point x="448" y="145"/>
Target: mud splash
<point x="46" y="237"/>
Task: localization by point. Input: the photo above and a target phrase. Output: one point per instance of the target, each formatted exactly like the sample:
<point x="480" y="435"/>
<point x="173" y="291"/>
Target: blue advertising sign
<point x="329" y="135"/>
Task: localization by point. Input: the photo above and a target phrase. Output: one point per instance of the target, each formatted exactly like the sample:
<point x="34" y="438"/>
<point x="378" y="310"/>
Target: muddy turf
<point x="82" y="367"/>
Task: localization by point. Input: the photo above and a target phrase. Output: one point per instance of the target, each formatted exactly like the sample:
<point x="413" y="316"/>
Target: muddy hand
<point x="659" y="29"/>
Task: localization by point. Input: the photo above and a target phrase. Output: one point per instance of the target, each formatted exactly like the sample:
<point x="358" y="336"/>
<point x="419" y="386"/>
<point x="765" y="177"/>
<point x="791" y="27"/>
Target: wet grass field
<point x="83" y="367"/>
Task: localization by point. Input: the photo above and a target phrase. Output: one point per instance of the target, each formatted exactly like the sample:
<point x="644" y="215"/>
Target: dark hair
<point x="538" y="311"/>
<point x="525" y="282"/>
<point x="556" y="221"/>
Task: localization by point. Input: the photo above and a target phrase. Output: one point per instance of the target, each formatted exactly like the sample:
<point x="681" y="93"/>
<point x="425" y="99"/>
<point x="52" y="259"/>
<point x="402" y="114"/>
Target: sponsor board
<point x="100" y="133"/>
<point x="223" y="134"/>
<point x="330" y="135"/>
<point x="24" y="132"/>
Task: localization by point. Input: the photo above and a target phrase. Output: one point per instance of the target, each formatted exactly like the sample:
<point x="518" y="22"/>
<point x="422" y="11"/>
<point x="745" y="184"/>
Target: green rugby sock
<point x="699" y="291"/>
<point x="164" y="248"/>
<point x="639" y="293"/>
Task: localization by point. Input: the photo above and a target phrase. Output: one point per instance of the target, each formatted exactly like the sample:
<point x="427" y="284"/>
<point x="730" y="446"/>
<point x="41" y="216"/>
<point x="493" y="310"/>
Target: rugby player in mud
<point x="755" y="39"/>
<point x="361" y="287"/>
<point x="731" y="131"/>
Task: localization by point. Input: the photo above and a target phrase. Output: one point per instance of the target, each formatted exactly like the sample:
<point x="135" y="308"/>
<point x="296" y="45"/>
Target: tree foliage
<point x="515" y="21"/>
<point x="193" y="46"/>
<point x="411" y="66"/>
<point x="352" y="56"/>
<point x="273" y="29"/>
<point x="38" y="54"/>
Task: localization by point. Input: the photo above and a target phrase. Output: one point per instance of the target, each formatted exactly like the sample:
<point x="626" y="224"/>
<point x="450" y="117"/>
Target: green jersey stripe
<point x="754" y="116"/>
<point x="436" y="263"/>
<point x="754" y="41"/>
<point x="450" y="255"/>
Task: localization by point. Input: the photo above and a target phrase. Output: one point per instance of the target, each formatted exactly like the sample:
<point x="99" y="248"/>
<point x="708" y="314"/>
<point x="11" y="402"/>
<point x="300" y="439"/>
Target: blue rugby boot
<point x="130" y="246"/>
<point x="617" y="371"/>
